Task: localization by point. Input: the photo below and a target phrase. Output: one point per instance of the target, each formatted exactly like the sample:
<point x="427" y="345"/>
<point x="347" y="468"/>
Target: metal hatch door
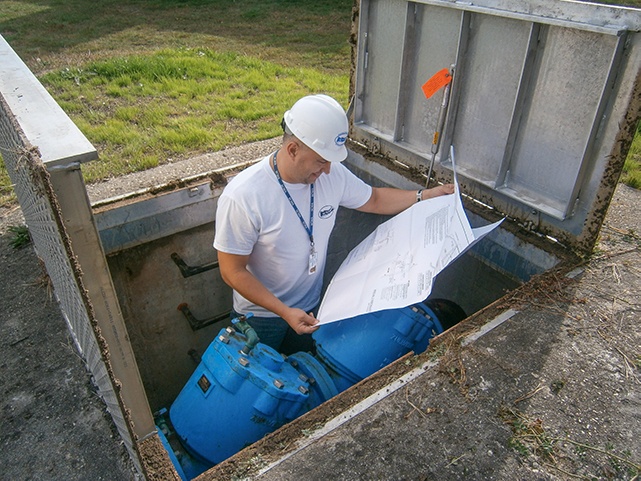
<point x="544" y="101"/>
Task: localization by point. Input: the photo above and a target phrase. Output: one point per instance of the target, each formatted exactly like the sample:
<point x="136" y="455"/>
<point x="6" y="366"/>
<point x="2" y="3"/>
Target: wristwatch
<point x="419" y="195"/>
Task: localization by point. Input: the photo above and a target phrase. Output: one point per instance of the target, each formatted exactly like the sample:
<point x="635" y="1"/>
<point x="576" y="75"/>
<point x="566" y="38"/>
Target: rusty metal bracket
<point x="187" y="270"/>
<point x="200" y="323"/>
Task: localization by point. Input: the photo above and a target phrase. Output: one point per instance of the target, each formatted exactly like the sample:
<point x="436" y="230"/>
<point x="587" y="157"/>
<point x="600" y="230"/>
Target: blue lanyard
<point x="310" y="229"/>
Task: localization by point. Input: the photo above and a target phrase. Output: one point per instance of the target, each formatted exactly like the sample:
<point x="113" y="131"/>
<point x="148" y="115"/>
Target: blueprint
<point x="396" y="264"/>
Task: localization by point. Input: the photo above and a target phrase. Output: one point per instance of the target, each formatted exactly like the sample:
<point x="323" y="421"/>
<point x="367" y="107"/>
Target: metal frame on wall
<point x="544" y="95"/>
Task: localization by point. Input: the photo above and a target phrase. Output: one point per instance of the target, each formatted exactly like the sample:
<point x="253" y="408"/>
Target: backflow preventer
<point x="243" y="389"/>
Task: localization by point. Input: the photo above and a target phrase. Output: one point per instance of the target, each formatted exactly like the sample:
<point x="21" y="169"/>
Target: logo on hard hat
<point x="341" y="139"/>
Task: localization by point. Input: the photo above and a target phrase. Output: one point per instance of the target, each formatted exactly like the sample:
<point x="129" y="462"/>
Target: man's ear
<point x="292" y="148"/>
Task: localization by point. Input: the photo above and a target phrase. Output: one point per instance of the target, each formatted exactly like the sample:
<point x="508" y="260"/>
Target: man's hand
<point x="300" y="321"/>
<point x="437" y="191"/>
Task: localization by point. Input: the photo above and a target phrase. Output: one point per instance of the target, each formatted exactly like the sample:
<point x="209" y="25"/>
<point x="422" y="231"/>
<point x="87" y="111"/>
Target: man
<point x="274" y="220"/>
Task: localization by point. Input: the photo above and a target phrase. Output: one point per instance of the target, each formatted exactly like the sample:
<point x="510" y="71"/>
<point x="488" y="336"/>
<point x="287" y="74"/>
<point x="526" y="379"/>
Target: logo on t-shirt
<point x="326" y="212"/>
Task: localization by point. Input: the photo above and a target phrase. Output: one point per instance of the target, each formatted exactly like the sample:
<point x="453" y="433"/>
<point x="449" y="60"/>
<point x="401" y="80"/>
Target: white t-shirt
<point x="255" y="218"/>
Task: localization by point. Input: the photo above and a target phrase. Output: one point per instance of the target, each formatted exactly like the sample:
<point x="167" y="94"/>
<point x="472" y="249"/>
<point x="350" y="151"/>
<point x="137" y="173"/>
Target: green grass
<point x="155" y="81"/>
<point x="632" y="168"/>
<point x="55" y="34"/>
<point x="7" y="195"/>
<point x="19" y="236"/>
<point x="141" y="110"/>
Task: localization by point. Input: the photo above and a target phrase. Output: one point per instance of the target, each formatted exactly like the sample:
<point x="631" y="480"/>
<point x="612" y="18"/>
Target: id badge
<point x="312" y="263"/>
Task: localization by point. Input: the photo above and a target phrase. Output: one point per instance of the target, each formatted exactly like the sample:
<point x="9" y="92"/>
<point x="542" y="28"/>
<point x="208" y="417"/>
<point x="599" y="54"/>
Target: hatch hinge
<point x="365" y="52"/>
<point x="375" y="146"/>
<point x="533" y="223"/>
<point x="576" y="205"/>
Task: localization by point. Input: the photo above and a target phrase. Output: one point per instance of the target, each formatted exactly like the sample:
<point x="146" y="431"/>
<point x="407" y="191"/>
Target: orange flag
<point x="436" y="82"/>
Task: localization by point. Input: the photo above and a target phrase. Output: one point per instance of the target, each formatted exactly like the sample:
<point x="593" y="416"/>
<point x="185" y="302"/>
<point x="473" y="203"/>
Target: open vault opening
<point x="175" y="304"/>
<point x="174" y="301"/>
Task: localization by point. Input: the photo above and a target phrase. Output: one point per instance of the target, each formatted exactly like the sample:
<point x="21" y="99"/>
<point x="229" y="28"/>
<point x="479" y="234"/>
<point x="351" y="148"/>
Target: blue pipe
<point x="243" y="389"/>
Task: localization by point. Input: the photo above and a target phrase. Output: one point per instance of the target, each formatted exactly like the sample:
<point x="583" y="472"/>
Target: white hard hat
<point x="320" y="123"/>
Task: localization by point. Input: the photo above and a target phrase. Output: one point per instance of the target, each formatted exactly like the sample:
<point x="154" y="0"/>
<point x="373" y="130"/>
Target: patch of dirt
<point x="53" y="425"/>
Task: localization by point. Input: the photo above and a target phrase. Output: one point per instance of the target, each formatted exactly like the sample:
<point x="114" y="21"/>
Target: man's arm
<point x="390" y="201"/>
<point x="233" y="269"/>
